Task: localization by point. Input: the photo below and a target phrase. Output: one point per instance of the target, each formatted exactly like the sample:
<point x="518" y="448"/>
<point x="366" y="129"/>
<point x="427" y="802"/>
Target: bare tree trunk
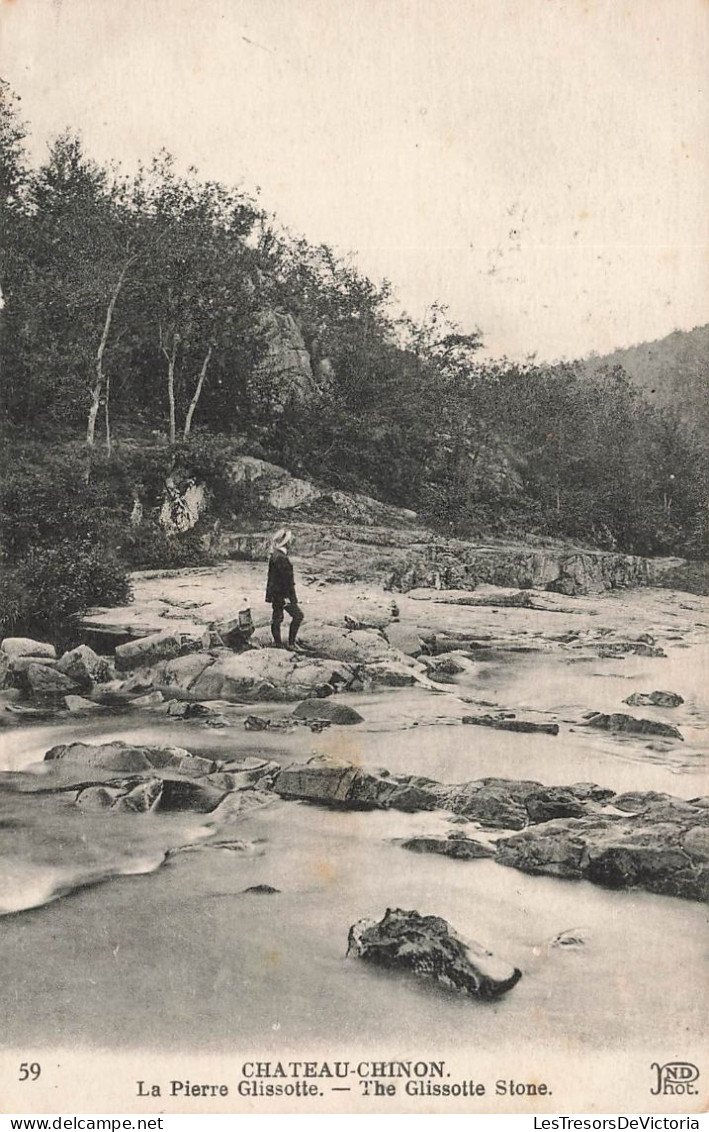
<point x="197" y="392"/>
<point x="171" y="355"/>
<point x="107" y="414"/>
<point x="98" y="368"/>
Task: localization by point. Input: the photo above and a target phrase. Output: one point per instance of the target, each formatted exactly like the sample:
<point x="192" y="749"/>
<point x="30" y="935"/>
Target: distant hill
<point x="674" y="371"/>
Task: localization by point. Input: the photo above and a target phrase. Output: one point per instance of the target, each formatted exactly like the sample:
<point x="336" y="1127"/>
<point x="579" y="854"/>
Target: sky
<point x="540" y="166"/>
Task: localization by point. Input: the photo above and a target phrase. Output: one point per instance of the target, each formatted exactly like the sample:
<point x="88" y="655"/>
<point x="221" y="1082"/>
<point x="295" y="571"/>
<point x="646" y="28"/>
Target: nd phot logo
<point x="674" y="1079"/>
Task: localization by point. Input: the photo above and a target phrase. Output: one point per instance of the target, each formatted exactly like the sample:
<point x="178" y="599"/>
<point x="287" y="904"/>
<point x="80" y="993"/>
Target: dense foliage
<point x="137" y="320"/>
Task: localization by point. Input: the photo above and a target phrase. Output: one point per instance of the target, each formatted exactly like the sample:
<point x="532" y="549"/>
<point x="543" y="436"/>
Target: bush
<point x="59" y="546"/>
<point x="148" y="547"/>
<point x="41" y="593"/>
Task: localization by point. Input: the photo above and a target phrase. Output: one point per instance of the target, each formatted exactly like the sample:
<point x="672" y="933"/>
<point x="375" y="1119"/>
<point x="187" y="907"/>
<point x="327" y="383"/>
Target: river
<point x="178" y="955"/>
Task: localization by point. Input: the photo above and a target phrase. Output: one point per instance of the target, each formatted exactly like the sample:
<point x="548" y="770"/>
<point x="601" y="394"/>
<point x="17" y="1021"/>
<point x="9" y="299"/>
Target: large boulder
<point x="496" y="803"/>
<point x="45" y="683"/>
<point x="146" y="651"/>
<point x="358" y="646"/>
<point x="14" y="647"/>
<point x="319" y="780"/>
<point x="85" y="667"/>
<point x="428" y="946"/>
<point x="268" y="675"/>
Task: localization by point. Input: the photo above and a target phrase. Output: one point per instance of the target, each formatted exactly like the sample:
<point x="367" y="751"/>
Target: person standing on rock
<point x="280" y="589"/>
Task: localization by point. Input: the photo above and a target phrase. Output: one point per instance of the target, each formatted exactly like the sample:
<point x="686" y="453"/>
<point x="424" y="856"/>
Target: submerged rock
<point x="628" y="724"/>
<point x="256" y="723"/>
<point x="459" y="847"/>
<point x="330" y="710"/>
<point x="654" y="699"/>
<point x="428" y="946"/>
<point x="499" y="723"/>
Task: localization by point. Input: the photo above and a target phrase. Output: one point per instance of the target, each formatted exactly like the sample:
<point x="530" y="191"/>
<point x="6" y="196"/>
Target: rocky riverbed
<point x="527" y="766"/>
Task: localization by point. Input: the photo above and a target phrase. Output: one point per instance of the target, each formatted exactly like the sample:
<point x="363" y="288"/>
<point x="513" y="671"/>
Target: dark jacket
<point x="281" y="582"/>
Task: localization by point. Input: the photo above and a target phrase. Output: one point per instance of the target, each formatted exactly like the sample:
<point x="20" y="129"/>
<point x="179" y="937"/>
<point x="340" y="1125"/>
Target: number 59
<point x="30" y="1070"/>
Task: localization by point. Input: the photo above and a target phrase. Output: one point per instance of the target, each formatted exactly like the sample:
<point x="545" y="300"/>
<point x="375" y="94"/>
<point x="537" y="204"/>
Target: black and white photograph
<point x="354" y="557"/>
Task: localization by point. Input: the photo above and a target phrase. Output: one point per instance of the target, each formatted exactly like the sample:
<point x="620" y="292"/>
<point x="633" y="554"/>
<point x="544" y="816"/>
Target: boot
<point x="292" y="634"/>
<point x="276" y="634"/>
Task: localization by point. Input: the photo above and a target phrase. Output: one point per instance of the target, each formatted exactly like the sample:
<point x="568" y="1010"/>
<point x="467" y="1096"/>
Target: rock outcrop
<point x="453" y="564"/>
<point x="285" y="370"/>
<point x="662" y="848"/>
<point x="429" y="947"/>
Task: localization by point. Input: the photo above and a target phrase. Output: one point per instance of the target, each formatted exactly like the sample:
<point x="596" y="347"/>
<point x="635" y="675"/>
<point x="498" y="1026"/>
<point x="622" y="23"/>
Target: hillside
<point x="671" y="372"/>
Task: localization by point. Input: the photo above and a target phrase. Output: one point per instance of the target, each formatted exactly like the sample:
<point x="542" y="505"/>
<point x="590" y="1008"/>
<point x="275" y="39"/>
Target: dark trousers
<point x="296" y="615"/>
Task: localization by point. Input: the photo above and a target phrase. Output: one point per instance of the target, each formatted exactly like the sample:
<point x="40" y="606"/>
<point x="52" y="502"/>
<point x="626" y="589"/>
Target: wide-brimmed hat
<point x="281" y="538"/>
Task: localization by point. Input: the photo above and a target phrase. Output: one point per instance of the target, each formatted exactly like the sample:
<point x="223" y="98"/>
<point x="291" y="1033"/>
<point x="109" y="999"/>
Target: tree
<point x="79" y="245"/>
<point x="196" y="284"/>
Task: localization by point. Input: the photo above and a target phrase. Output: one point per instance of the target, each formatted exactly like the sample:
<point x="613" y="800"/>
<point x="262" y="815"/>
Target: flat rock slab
<point x="268" y="675"/>
<point x="429" y="947"/>
<point x="131" y="759"/>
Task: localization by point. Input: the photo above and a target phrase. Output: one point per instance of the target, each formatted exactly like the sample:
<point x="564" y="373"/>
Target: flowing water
<point x="113" y="944"/>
